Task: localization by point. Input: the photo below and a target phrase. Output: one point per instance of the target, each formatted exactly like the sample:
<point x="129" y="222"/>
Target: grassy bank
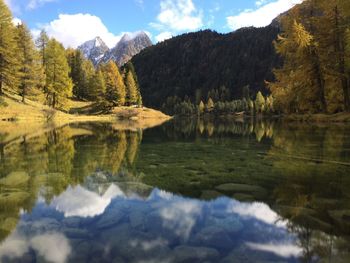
<point x="330" y="118"/>
<point x="19" y="119"/>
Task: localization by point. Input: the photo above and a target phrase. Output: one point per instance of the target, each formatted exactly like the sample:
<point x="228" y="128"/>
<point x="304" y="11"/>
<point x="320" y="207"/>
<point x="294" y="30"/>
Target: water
<point x="187" y="191"/>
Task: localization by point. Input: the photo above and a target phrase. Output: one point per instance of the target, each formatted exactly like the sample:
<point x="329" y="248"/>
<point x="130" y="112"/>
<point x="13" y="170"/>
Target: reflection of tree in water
<point x="313" y="190"/>
<point x="46" y="165"/>
<point x="192" y="128"/>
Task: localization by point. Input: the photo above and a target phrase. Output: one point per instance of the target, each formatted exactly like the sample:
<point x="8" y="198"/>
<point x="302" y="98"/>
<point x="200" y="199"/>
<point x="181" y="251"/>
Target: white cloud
<point x="16" y="21"/>
<point x="282" y="250"/>
<point x="73" y="30"/>
<point x="181" y="216"/>
<point x="259" y="211"/>
<point x="84" y="203"/>
<point x="37" y="3"/>
<point x="178" y="15"/>
<point x="163" y="36"/>
<point x="53" y="247"/>
<point x="262" y="16"/>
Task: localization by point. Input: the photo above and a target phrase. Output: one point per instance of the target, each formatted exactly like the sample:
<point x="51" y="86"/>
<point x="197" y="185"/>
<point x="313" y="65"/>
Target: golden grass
<point x="32" y="118"/>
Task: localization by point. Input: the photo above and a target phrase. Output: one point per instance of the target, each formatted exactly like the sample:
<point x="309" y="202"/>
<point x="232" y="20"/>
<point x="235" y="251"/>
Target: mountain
<point x="94" y="49"/>
<point x="192" y="64"/>
<point x="127" y="47"/>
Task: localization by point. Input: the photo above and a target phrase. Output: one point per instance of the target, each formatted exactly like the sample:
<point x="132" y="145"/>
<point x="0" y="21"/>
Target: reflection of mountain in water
<point x="300" y="171"/>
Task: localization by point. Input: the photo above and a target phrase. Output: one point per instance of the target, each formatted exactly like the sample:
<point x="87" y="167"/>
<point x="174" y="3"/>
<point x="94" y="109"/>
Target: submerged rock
<point x="14" y="179"/>
<point x="187" y="254"/>
<point x="213" y="236"/>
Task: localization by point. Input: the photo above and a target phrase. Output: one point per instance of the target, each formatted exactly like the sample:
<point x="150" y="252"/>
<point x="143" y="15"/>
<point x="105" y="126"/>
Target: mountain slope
<point x="127" y="47"/>
<point x="192" y="64"/>
<point x="94" y="49"/>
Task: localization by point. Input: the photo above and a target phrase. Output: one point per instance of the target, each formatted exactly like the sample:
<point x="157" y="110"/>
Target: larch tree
<point x="97" y="86"/>
<point x="131" y="89"/>
<point x="30" y="68"/>
<point x="58" y="82"/>
<point x="260" y="103"/>
<point x="8" y="50"/>
<point x="115" y="87"/>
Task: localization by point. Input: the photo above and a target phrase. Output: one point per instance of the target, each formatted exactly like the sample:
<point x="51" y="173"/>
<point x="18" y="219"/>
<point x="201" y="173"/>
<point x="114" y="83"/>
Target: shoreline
<point x="19" y="119"/>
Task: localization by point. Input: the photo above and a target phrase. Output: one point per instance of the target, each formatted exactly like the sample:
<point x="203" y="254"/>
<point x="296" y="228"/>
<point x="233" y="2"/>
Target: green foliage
<point x="194" y="64"/>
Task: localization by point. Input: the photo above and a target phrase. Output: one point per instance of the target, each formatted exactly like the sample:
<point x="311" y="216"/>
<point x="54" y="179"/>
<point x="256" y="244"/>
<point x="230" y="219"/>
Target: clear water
<point x="188" y="191"/>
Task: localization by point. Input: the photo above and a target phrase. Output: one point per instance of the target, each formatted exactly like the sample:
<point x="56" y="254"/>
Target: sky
<point x="75" y="21"/>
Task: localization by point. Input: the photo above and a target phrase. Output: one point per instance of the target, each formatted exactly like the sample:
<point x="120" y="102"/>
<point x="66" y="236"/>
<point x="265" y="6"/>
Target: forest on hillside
<point x="44" y="68"/>
<point x="191" y="65"/>
<point x="300" y="64"/>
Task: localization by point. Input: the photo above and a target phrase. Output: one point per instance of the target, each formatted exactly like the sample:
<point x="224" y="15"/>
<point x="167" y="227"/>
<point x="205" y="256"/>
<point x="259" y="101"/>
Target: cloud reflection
<point x="53" y="247"/>
<point x="81" y="202"/>
<point x="257" y="210"/>
<point x="282" y="250"/>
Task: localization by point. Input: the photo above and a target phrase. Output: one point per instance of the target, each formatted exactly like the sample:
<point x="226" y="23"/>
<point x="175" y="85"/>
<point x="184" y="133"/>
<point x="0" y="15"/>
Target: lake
<point x="186" y="191"/>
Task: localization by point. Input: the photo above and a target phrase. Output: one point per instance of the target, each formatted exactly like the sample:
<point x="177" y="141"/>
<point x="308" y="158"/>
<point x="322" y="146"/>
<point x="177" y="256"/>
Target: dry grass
<point x="19" y="119"/>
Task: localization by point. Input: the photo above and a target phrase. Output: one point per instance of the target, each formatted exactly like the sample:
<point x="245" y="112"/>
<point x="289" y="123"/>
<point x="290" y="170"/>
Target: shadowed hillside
<point x="195" y="63"/>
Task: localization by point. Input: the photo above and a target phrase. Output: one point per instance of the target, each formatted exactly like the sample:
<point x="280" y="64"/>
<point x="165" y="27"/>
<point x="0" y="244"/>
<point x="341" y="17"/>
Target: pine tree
<point x="115" y="87"/>
<point x="80" y="72"/>
<point x="8" y="59"/>
<point x="30" y="69"/>
<point x="58" y="82"/>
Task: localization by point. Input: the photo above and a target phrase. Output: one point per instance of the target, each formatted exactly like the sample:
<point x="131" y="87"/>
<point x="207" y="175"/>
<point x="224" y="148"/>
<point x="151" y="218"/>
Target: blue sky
<point x="76" y="21"/>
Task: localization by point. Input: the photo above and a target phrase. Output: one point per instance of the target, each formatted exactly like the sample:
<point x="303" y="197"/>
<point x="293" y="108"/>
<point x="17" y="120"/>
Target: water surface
<point x="188" y="191"/>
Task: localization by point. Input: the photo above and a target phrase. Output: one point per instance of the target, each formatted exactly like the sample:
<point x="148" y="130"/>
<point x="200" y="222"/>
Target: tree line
<point x="219" y="102"/>
<point x="44" y="64"/>
<point x="315" y="47"/>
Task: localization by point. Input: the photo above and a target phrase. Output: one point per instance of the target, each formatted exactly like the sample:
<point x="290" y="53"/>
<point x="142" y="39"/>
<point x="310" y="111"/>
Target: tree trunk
<point x="54" y="100"/>
<point x="319" y="78"/>
<point x="1" y="87"/>
<point x="340" y="55"/>
<point x="345" y="84"/>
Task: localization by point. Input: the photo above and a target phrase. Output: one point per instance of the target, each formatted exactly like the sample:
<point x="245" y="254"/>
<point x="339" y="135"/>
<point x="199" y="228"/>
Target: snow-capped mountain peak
<point x="128" y="46"/>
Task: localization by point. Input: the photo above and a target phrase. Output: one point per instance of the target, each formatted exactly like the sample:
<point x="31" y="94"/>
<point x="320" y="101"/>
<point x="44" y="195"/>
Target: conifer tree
<point x="97" y="86"/>
<point x="115" y="87"/>
<point x="79" y="73"/>
<point x="201" y="107"/>
<point x="131" y="89"/>
<point x="260" y="103"/>
<point x="41" y="43"/>
<point x="210" y="105"/>
<point x="58" y="82"/>
<point x="8" y="58"/>
<point x="30" y="69"/>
